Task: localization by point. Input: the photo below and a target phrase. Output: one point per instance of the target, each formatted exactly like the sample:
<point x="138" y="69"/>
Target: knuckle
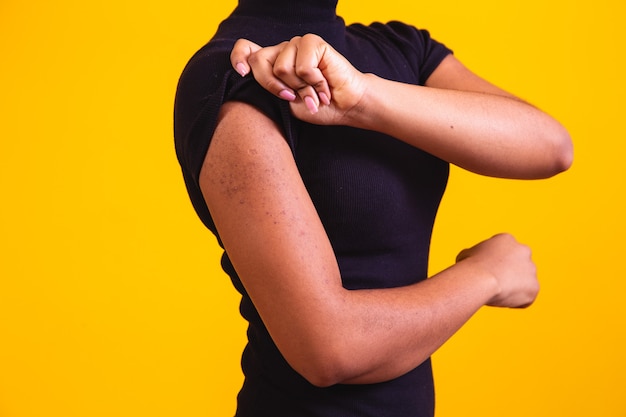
<point x="527" y="250"/>
<point x="523" y="250"/>
<point x="272" y="85"/>
<point x="304" y="71"/>
<point x="254" y="58"/>
<point x="309" y="37"/>
<point x="281" y="70"/>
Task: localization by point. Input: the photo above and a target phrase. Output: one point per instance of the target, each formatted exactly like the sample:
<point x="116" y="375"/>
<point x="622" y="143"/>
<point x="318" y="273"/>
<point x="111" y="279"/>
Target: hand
<point x="510" y="263"/>
<point x="320" y="84"/>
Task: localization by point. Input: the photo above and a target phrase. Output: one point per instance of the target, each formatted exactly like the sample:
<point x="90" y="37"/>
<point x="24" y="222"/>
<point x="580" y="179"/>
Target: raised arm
<point x="458" y="116"/>
<point x="279" y="248"/>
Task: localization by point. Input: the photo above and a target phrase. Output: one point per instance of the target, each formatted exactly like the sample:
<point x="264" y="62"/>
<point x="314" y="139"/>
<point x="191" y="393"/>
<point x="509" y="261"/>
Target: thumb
<point x="242" y="50"/>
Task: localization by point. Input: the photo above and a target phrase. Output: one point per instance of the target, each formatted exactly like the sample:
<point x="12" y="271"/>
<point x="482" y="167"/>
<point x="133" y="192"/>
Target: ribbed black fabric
<point x="376" y="196"/>
<point x="291" y="12"/>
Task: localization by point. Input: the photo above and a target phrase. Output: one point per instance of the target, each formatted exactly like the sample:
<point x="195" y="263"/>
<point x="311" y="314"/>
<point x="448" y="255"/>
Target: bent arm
<point x="279" y="248"/>
<point x="457" y="116"/>
<point x="469" y="122"/>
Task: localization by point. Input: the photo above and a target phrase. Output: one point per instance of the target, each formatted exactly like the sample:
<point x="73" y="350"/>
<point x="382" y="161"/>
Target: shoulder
<point x="205" y="70"/>
<point x="394" y="31"/>
<point x="205" y="85"/>
<point x="416" y="47"/>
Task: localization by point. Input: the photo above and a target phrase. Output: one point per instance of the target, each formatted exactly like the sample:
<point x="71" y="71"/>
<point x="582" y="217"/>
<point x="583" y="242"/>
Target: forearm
<point x="484" y="133"/>
<point x="459" y="117"/>
<point x="382" y="334"/>
<point x="282" y="254"/>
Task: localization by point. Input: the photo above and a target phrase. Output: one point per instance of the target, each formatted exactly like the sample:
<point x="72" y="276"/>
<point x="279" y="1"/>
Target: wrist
<point x="481" y="278"/>
<point x="361" y="115"/>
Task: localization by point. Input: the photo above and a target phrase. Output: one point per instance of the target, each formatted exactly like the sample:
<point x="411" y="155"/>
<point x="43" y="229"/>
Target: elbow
<point x="325" y="350"/>
<point x="556" y="154"/>
<point x="563" y="152"/>
<point x="324" y="359"/>
<point x="321" y="379"/>
<point x="321" y="369"/>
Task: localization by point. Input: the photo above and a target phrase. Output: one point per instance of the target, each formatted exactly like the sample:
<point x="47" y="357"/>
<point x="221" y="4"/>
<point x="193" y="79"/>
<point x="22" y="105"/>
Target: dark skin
<point x="327" y="333"/>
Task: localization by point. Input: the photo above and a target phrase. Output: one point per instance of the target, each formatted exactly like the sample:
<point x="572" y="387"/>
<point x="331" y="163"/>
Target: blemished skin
<point x="327" y="333"/>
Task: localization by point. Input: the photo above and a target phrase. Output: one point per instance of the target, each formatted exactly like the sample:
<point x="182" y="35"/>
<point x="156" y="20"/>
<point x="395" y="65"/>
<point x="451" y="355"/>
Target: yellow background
<point x="111" y="298"/>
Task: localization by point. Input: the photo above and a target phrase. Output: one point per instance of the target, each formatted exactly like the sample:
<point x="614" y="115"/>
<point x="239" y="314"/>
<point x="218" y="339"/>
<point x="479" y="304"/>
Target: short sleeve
<point x="207" y="82"/>
<point x="422" y="52"/>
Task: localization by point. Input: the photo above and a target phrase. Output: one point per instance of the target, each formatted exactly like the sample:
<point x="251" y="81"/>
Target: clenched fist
<point x="320" y="84"/>
<point x="510" y="263"/>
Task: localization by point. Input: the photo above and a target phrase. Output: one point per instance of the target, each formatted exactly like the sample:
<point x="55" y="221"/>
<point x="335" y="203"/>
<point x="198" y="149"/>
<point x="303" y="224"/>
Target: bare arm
<point x="468" y="122"/>
<point x="458" y="116"/>
<point x="279" y="248"/>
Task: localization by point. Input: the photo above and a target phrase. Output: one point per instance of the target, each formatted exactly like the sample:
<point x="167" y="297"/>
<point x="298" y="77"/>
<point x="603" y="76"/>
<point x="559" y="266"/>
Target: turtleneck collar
<point x="289" y="11"/>
<point x="268" y="22"/>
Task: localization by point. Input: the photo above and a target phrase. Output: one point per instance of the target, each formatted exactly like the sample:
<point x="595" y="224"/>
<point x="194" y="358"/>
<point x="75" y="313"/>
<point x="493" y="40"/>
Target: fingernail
<point x="287" y="95"/>
<point x="241" y="69"/>
<point x="310" y="104"/>
<point x="324" y="98"/>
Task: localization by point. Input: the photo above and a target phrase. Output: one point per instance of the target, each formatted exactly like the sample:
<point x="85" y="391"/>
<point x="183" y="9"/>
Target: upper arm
<point x="451" y="74"/>
<point x="269" y="228"/>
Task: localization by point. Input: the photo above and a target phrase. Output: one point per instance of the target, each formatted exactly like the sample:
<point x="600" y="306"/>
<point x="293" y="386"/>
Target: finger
<point x="298" y="66"/>
<point x="311" y="54"/>
<point x="242" y="50"/>
<point x="285" y="69"/>
<point x="262" y="66"/>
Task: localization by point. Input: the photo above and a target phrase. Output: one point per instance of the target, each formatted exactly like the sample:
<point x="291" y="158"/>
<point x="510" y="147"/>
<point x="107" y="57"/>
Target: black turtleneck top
<point x="376" y="196"/>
